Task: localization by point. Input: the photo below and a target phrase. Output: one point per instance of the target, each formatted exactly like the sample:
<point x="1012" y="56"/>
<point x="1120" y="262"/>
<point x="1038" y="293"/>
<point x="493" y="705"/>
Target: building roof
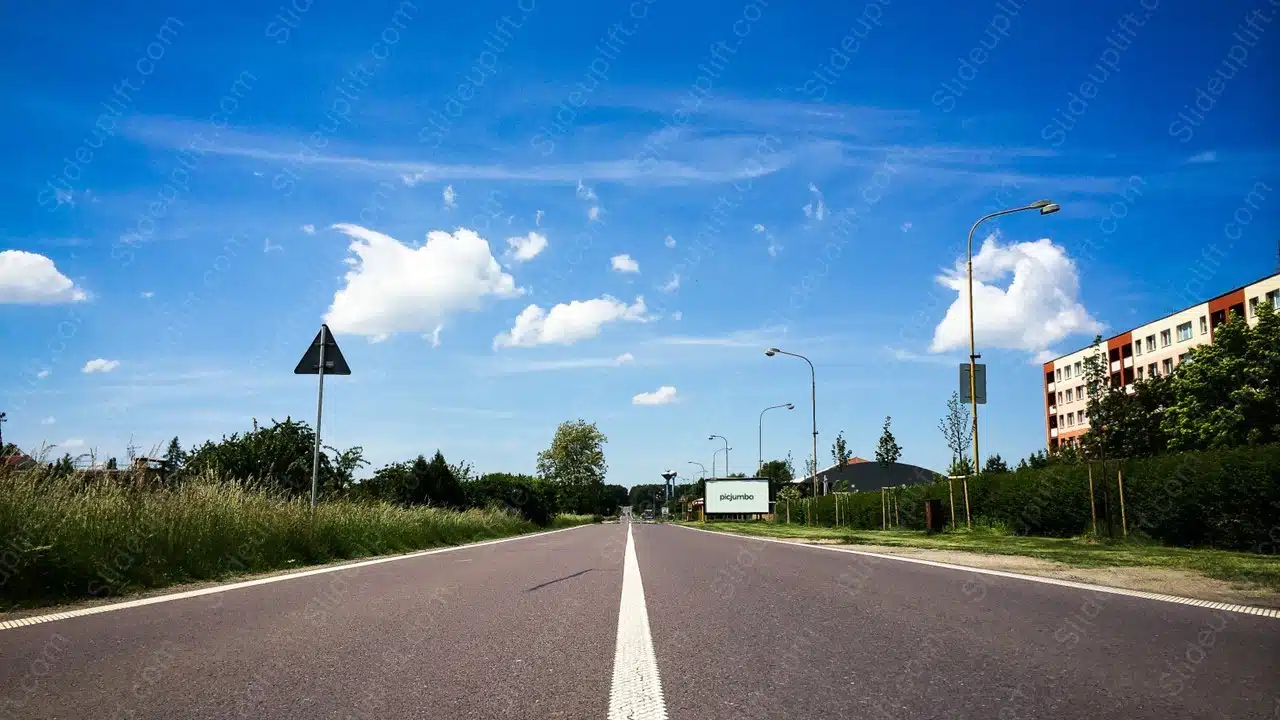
<point x="1162" y="317"/>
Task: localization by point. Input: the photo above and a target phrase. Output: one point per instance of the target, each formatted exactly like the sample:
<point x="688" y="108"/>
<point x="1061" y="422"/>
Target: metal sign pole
<point x="315" y="458"/>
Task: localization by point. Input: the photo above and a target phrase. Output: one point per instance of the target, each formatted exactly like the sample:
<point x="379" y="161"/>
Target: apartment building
<point x="1155" y="348"/>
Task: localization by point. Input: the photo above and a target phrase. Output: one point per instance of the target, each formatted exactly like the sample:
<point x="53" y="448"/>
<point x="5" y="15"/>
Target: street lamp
<point x="726" y="455"/>
<point x="1046" y="208"/>
<point x="704" y="468"/>
<point x="760" y="434"/>
<point x="813" y="389"/>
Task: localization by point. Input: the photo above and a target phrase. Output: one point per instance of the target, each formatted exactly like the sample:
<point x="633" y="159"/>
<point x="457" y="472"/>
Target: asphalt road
<point x="585" y="624"/>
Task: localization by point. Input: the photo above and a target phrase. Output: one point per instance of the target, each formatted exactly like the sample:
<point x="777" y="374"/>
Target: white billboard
<point x="739" y="495"/>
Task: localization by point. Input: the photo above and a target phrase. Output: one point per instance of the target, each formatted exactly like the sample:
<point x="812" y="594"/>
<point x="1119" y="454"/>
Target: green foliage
<point x="175" y="455"/>
<point x="955" y="427"/>
<point x="887" y="451"/>
<point x="780" y="474"/>
<point x="1228" y="392"/>
<point x="575" y="464"/>
<point x="995" y="464"/>
<point x="960" y="466"/>
<point x="533" y="498"/>
<point x="278" y="458"/>
<point x="1226" y="499"/>
<point x="72" y="539"/>
<point x="840" y="451"/>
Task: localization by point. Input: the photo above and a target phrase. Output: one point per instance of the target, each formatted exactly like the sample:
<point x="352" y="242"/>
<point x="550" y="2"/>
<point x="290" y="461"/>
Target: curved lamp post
<point x="726" y="455"/>
<point x="1046" y="208"/>
<point x="813" y="390"/>
<point x="760" y="434"/>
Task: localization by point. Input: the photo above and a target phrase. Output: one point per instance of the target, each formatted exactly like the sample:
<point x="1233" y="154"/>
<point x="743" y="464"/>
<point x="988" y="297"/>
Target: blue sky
<point x="620" y="198"/>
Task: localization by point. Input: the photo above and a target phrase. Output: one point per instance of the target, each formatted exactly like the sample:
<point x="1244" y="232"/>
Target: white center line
<point x="636" y="693"/>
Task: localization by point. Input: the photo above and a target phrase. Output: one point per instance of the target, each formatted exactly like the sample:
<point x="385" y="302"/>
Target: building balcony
<point x="1053" y="432"/>
<point x="1128" y="362"/>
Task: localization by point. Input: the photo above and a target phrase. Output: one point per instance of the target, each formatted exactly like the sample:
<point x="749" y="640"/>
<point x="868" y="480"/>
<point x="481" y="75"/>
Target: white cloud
<point x="48" y="421"/>
<point x="30" y="278"/>
<point x="1042" y="357"/>
<point x="664" y="395"/>
<point x="450" y="197"/>
<point x="43" y="374"/>
<point x="671" y="285"/>
<point x="585" y="193"/>
<point x="677" y="315"/>
<point x="773" y="248"/>
<point x="569" y="364"/>
<point x="537" y="218"/>
<point x="100" y="365"/>
<point x="71" y="443"/>
<point x="565" y="324"/>
<point x="148" y="294"/>
<point x="1040" y="305"/>
<point x="758" y="228"/>
<point x="815" y="209"/>
<point x="669" y="242"/>
<point x="309" y="229"/>
<point x="593" y="213"/>
<point x="624" y="263"/>
<point x="527" y="248"/>
<point x="393" y="288"/>
<point x="435" y="336"/>
<point x="1208" y="156"/>
<point x="906" y="226"/>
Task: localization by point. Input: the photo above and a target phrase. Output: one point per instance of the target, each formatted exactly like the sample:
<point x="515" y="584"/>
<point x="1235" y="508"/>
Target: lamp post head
<point x="770" y="352"/>
<point x="789" y="406"/>
<point x="1050" y="209"/>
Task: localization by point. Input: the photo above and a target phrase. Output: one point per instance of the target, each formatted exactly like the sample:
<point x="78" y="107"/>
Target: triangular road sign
<point x="334" y="363"/>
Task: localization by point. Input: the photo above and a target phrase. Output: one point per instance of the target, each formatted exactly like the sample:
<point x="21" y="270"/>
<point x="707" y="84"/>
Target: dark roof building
<point x="862" y="475"/>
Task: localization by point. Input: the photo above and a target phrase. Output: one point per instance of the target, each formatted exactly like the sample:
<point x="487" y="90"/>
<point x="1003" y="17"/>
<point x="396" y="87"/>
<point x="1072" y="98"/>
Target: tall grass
<point x="78" y="537"/>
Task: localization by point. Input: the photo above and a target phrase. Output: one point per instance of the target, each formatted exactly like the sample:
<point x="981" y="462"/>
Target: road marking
<point x="636" y="693"/>
<point x="1161" y="597"/>
<point x="68" y="614"/>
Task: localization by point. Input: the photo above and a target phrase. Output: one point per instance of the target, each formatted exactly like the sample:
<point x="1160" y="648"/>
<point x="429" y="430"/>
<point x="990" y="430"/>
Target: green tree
<point x="575" y="464"/>
<point x="779" y="473"/>
<point x="175" y="455"/>
<point x="278" y="457"/>
<point x="1228" y="392"/>
<point x="995" y="464"/>
<point x="840" y="451"/>
<point x="111" y="464"/>
<point x="887" y="451"/>
<point x="960" y="466"/>
<point x="955" y="428"/>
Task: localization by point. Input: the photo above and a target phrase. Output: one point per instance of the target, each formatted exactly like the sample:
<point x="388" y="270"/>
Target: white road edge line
<point x="1244" y="609"/>
<point x="68" y="614"/>
<point x="636" y="692"/>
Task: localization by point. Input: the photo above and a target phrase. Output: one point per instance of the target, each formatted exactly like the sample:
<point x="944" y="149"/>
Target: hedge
<point x="1227" y="499"/>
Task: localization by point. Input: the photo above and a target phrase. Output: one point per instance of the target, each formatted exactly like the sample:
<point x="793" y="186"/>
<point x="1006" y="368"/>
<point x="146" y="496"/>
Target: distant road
<point x="646" y="621"/>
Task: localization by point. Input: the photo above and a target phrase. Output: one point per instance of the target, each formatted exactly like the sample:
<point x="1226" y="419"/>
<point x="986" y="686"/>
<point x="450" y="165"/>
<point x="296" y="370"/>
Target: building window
<point x="1183" y="357"/>
<point x="1137" y="346"/>
<point x="1071" y="419"/>
<point x="1080" y="392"/>
<point x="1184" y="331"/>
<point x="1078" y="368"/>
<point x="1151" y="343"/>
<point x="1058" y="374"/>
<point x="1253" y="307"/>
<point x="1168" y="366"/>
<point x="1204" y="324"/>
<point x="1274" y="298"/>
<point x="1166" y="338"/>
<point x="1151" y="370"/>
<point x="1139" y="371"/>
<point x="1059" y="397"/>
<point x="1070" y="395"/>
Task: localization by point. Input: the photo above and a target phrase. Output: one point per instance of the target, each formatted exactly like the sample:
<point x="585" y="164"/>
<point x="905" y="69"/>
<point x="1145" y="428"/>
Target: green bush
<point x="533" y="498"/>
<point x="1227" y="499"/>
<point x="63" y="538"/>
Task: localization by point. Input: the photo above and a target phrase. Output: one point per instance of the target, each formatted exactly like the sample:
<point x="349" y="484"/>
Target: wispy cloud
<point x="759" y="338"/>
<point x="510" y="368"/>
<point x="1208" y="156"/>
<point x="708" y="160"/>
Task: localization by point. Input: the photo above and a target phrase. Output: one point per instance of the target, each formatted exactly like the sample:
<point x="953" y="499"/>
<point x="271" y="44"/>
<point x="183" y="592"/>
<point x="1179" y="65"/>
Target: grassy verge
<point x="1081" y="552"/>
<point x="67" y="539"/>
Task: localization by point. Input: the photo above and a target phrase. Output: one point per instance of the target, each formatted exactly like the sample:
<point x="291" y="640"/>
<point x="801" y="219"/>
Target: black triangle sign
<point x="334" y="363"/>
